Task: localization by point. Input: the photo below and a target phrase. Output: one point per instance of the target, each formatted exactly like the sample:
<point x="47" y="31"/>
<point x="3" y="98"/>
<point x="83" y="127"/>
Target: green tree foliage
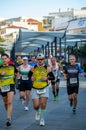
<point x="82" y="50"/>
<point x="1" y="50"/>
<point x="1" y="39"/>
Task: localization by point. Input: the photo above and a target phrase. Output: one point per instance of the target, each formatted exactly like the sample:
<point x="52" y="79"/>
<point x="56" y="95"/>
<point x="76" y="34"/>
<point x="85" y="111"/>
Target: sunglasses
<point x="39" y="59"/>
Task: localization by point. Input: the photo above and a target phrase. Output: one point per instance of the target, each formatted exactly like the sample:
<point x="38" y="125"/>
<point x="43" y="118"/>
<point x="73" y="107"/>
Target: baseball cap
<point x="25" y="58"/>
<point x="40" y="56"/>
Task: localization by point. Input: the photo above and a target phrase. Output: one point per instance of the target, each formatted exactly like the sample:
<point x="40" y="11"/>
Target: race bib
<point x="73" y="80"/>
<point x="5" y="88"/>
<point x="25" y="77"/>
<point x="41" y="91"/>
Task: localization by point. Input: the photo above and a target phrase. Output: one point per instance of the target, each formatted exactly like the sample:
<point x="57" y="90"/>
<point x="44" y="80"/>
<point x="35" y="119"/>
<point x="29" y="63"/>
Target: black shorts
<point x="12" y="89"/>
<point x="55" y="82"/>
<point x="71" y="90"/>
<point x="25" y="85"/>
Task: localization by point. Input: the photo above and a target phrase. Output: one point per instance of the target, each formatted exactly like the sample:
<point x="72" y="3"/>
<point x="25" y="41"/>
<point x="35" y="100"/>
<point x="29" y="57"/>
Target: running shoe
<point x="26" y="108"/>
<point x="74" y="110"/>
<point x="42" y="122"/>
<point x="8" y="123"/>
<point x="56" y="98"/>
<point x="37" y="116"/>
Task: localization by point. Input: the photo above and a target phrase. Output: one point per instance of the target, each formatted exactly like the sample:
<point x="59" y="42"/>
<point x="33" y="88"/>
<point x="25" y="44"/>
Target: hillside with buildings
<point x="71" y="20"/>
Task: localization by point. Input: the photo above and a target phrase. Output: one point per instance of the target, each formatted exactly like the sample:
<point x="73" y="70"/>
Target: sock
<point x="71" y="102"/>
<point x="43" y="113"/>
<point x="38" y="110"/>
<point x="57" y="91"/>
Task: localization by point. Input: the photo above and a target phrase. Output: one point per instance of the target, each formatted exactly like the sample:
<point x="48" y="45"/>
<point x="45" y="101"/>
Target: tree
<point x="82" y="50"/>
<point x="1" y="39"/>
<point x="1" y="50"/>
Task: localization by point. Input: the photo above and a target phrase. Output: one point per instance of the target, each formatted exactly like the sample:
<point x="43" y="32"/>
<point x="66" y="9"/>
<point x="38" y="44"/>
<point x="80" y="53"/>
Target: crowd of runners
<point x="33" y="77"/>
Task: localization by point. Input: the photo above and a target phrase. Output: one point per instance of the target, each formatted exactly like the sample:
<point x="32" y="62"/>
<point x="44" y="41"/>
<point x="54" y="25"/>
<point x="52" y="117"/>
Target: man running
<point x="55" y="67"/>
<point x="71" y="74"/>
<point x="7" y="85"/>
<point x="40" y="91"/>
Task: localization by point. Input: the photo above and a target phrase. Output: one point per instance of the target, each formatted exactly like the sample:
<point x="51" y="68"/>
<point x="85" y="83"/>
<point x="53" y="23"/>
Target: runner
<point x="33" y="61"/>
<point x="40" y="91"/>
<point x="25" y="83"/>
<point x="71" y="74"/>
<point x="18" y="62"/>
<point x="55" y="66"/>
<point x="7" y="85"/>
<point x="49" y="59"/>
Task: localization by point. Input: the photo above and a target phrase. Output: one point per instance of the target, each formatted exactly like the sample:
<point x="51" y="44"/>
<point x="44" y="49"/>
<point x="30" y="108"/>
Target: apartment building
<point x="60" y="20"/>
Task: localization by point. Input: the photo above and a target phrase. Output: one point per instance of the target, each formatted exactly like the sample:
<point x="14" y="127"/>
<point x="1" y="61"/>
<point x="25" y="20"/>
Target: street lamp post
<point x="12" y="53"/>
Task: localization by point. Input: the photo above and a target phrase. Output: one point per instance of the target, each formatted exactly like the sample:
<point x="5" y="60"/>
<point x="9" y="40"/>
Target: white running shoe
<point x="22" y="101"/>
<point x="37" y="116"/>
<point x="42" y="122"/>
<point x="26" y="108"/>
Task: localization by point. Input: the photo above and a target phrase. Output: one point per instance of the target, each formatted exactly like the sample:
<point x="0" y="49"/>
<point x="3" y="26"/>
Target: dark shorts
<point x="56" y="82"/>
<point x="12" y="89"/>
<point x="71" y="90"/>
<point x="25" y="85"/>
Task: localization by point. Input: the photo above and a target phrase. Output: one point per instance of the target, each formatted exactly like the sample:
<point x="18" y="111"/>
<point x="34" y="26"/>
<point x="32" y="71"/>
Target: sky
<point x="36" y="8"/>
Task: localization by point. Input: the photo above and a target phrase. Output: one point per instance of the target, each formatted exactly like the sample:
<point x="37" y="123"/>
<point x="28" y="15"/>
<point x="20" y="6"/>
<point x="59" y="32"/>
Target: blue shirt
<point x="33" y="63"/>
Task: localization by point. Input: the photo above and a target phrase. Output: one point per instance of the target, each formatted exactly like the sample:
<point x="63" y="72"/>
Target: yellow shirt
<point x="38" y="73"/>
<point x="8" y="78"/>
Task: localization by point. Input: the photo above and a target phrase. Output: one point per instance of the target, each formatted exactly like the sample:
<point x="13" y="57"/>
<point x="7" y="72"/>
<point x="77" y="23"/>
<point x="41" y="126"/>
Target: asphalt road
<point x="59" y="114"/>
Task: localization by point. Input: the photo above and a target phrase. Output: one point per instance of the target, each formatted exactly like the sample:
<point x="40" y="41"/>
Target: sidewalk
<point x="59" y="115"/>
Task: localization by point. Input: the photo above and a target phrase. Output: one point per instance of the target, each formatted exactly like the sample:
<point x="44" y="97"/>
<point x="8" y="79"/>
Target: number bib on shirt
<point x="25" y="77"/>
<point x="41" y="91"/>
<point x="5" y="88"/>
<point x="73" y="80"/>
